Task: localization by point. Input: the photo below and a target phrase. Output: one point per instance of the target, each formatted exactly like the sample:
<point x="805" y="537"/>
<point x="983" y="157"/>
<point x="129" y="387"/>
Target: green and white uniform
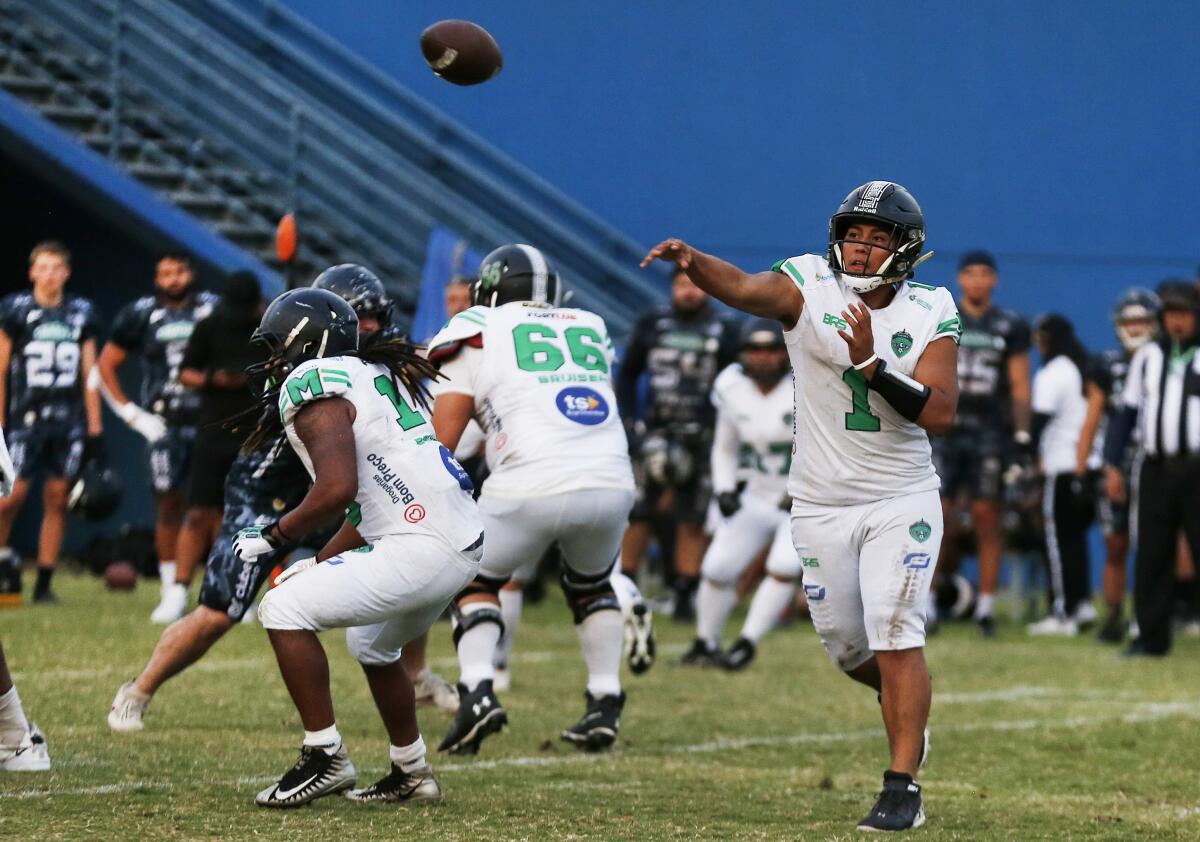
<point x="541" y="381"/>
<point x="413" y="507"/>
<point x="865" y="508"/>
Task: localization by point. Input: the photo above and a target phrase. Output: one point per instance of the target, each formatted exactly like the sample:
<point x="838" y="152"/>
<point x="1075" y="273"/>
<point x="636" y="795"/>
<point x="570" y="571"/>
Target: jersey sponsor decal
<point x="809" y="561"/>
<point x="456" y="470"/>
<point x="902" y="342"/>
<point x="815" y="593"/>
<point x="179" y="331"/>
<point x="917" y="561"/>
<point x="836" y="321"/>
<point x="920" y="531"/>
<point x="391" y="483"/>
<point x="54" y="332"/>
<point x="582" y="405"/>
<point x="414" y="513"/>
<point x="920" y="302"/>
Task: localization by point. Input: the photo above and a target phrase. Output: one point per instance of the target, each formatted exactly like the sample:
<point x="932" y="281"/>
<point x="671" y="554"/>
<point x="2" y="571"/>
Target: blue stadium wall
<point x="1061" y="135"/>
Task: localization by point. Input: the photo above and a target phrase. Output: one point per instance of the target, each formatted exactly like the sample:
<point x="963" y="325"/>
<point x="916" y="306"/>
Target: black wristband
<point x="906" y="396"/>
<point x="275" y="536"/>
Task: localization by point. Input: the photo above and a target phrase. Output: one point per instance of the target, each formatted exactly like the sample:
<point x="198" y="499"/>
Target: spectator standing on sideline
<point x="157" y="328"/>
<point x="993" y="417"/>
<point x="1061" y="392"/>
<point x="1161" y="399"/>
<point x="683" y="348"/>
<point x="47" y="351"/>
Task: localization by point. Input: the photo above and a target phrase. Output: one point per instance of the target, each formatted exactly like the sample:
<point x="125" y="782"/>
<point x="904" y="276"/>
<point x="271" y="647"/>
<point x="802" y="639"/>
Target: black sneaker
<point x="739" y="655"/>
<point x="598" y="728"/>
<point x="479" y="714"/>
<point x="987" y="626"/>
<point x="315" y="774"/>
<point x="701" y="655"/>
<point x="400" y="787"/>
<point x="899" y="806"/>
<point x="46" y="597"/>
<point x="1113" y="630"/>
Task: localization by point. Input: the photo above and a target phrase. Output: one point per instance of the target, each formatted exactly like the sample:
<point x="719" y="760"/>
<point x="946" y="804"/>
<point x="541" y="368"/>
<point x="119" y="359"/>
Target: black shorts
<point x="50" y="445"/>
<point x="972" y="463"/>
<point x="215" y="452"/>
<point x="171" y="459"/>
<point x="1114" y="517"/>
<point x="688" y="503"/>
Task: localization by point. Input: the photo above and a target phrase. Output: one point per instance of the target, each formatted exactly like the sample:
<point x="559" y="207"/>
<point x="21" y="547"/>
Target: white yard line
<point x="1141" y="712"/>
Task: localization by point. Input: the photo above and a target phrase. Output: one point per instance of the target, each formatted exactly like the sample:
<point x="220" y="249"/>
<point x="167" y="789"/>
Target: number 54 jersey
<point x="851" y="446"/>
<point x="541" y="379"/>
<point x="407" y="482"/>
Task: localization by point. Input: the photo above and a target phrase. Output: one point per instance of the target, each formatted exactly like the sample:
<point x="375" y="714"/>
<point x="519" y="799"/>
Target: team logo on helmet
<point x="920" y="531"/>
<point x="489" y="275"/>
<point x="902" y="342"/>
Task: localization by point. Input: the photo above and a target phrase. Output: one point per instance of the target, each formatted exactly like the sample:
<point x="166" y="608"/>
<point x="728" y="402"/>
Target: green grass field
<point x="1031" y="740"/>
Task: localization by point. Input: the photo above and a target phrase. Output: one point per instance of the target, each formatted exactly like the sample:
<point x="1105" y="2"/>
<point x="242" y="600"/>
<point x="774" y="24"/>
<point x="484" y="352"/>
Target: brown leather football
<point x="120" y="576"/>
<point x="461" y="52"/>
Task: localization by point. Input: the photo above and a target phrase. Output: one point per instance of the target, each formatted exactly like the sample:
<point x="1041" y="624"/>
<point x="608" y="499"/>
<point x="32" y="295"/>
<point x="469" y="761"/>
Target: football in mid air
<point x="461" y="52"/>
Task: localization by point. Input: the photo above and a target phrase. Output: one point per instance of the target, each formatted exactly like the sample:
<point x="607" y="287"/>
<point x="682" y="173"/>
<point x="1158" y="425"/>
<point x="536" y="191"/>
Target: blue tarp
<point x="448" y="257"/>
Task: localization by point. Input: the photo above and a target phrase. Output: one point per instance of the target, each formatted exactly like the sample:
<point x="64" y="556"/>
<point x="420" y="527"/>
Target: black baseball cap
<point x="977" y="257"/>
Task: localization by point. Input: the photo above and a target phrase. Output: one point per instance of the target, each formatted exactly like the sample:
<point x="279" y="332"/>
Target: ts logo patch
<point x="902" y="342"/>
<point x="582" y="405"/>
<point x="917" y="561"/>
<point x="920" y="531"/>
<point x="456" y="470"/>
<point x="815" y="593"/>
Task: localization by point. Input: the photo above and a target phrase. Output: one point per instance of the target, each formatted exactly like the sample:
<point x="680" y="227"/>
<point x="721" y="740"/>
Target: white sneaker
<point x="31" y="754"/>
<point x="172" y="606"/>
<point x="502" y="683"/>
<point x="431" y="688"/>
<point x="1085" y="615"/>
<point x="1053" y="626"/>
<point x="127" y="710"/>
<point x="639" y="645"/>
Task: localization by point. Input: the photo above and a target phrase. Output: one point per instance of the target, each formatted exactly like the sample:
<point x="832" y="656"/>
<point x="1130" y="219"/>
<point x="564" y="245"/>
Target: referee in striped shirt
<point x="1161" y="400"/>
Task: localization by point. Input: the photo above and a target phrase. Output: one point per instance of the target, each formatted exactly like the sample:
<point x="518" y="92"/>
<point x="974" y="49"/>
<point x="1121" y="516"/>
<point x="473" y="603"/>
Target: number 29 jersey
<point x="851" y="446"/>
<point x="407" y="482"/>
<point x="541" y="381"/>
<point x="47" y="345"/>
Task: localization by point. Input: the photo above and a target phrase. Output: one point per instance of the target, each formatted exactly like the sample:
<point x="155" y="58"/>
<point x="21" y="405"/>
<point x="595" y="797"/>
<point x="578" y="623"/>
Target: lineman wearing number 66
<point x="875" y="358"/>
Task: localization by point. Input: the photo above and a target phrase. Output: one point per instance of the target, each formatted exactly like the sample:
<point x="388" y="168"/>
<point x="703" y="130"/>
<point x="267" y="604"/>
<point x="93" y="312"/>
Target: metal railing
<point x="340" y="139"/>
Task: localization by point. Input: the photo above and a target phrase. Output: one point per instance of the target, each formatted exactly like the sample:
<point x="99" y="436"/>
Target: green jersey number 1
<point x="860" y="419"/>
<point x="407" y="417"/>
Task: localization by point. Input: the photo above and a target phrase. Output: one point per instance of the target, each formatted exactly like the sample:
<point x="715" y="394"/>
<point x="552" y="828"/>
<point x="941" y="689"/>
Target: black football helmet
<point x="516" y="273"/>
<point x="768" y="334"/>
<point x="96" y="493"/>
<point x="304" y="324"/>
<point x="359" y="287"/>
<point x="880" y="203"/>
<point x="1136" y="304"/>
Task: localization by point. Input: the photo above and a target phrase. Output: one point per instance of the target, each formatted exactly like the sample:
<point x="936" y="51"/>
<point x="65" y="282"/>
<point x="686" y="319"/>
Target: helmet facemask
<point x="1135" y="326"/>
<point x="903" y="251"/>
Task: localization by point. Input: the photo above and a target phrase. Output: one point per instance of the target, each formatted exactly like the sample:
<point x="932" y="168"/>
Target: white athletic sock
<point x="713" y="604"/>
<point x="601" y="636"/>
<point x="770" y="601"/>
<point x="510" y="611"/>
<point x="327" y="738"/>
<point x="13" y="723"/>
<point x="409" y="758"/>
<point x="983" y="606"/>
<point x="166" y="575"/>
<point x="476" y="648"/>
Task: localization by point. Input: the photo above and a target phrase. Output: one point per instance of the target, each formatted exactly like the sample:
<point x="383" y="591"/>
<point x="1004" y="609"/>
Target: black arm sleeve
<point x="633" y="364"/>
<point x="1037" y="426"/>
<point x="907" y="396"/>
<point x="1116" y="438"/>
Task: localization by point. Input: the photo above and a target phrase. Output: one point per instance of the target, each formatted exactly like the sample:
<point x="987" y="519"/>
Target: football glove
<point x="146" y="424"/>
<point x="295" y="569"/>
<point x="255" y="541"/>
<point x="729" y="502"/>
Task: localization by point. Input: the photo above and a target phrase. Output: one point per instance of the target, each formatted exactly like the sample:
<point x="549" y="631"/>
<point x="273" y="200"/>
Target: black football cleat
<point x="739" y="655"/>
<point x="899" y="806"/>
<point x="987" y="626"/>
<point x="701" y="655"/>
<point x="400" y="787"/>
<point x="316" y="773"/>
<point x="598" y="728"/>
<point x="479" y="714"/>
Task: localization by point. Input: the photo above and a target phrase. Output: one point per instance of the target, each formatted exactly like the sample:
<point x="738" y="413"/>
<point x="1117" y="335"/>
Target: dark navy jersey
<point x="159" y="335"/>
<point x="47" y="343"/>
<point x="988" y="342"/>
<point x="268" y="481"/>
<point x="682" y="355"/>
<point x="1108" y="371"/>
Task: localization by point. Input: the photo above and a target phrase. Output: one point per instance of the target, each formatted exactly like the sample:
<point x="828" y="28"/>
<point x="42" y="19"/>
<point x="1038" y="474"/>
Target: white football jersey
<point x="851" y="446"/>
<point x="407" y="482"/>
<point x="541" y="378"/>
<point x="753" y="439"/>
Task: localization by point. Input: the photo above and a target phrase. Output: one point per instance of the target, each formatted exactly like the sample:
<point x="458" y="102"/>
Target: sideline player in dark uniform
<point x="993" y="420"/>
<point x="1135" y="318"/>
<point x="47" y="350"/>
<point x="683" y="348"/>
<point x="157" y="328"/>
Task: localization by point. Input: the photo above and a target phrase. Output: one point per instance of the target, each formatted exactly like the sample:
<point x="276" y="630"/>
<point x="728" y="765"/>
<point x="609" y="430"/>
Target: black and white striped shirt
<point x="1163" y="386"/>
